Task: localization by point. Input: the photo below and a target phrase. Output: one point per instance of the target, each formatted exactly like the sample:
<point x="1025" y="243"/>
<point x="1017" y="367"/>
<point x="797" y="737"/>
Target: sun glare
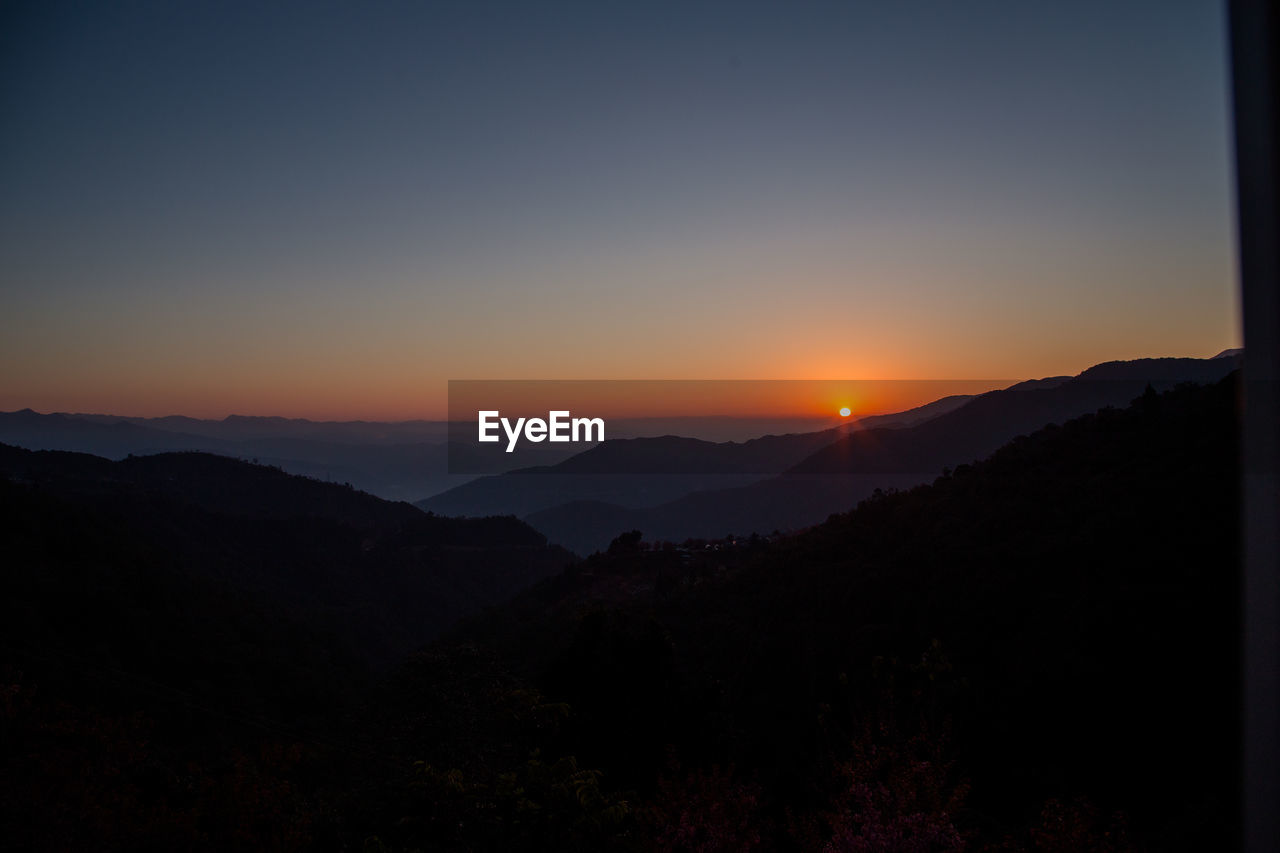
<point x="845" y="412"/>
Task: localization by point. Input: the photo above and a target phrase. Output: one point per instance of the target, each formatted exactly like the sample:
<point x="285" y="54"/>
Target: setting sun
<point x="845" y="412"/>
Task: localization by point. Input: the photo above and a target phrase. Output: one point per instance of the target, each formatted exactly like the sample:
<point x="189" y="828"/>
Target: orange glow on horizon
<point x="772" y="398"/>
<point x="622" y="399"/>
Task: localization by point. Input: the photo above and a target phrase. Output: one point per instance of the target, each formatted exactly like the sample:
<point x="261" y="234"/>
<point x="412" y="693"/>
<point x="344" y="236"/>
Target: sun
<point x="845" y="412"/>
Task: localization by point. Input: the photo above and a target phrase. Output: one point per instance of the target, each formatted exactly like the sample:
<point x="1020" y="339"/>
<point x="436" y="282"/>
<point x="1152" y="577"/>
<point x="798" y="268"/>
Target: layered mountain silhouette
<point x="672" y="487"/>
<point x="851" y="465"/>
<point x="1031" y="652"/>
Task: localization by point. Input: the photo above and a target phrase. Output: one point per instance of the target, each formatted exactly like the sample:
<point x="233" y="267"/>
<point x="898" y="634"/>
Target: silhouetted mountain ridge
<point x="844" y="471"/>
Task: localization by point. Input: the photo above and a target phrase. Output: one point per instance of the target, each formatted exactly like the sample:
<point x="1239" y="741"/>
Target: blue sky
<point x="331" y="209"/>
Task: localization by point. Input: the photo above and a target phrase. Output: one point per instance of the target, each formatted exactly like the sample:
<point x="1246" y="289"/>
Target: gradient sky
<point x="329" y="210"/>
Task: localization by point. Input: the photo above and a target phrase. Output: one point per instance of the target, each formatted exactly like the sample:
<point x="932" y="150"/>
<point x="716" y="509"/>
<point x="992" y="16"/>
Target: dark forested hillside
<point x="177" y="553"/>
<point x="185" y="609"/>
<point x="1036" y="651"/>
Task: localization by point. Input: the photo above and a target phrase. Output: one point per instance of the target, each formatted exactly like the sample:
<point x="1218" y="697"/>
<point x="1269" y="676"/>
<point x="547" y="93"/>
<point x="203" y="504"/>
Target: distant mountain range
<point x="256" y="428"/>
<point x="397" y="461"/>
<point x="406" y="460"/>
<point x="394" y="461"/>
<point x="670" y="486"/>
